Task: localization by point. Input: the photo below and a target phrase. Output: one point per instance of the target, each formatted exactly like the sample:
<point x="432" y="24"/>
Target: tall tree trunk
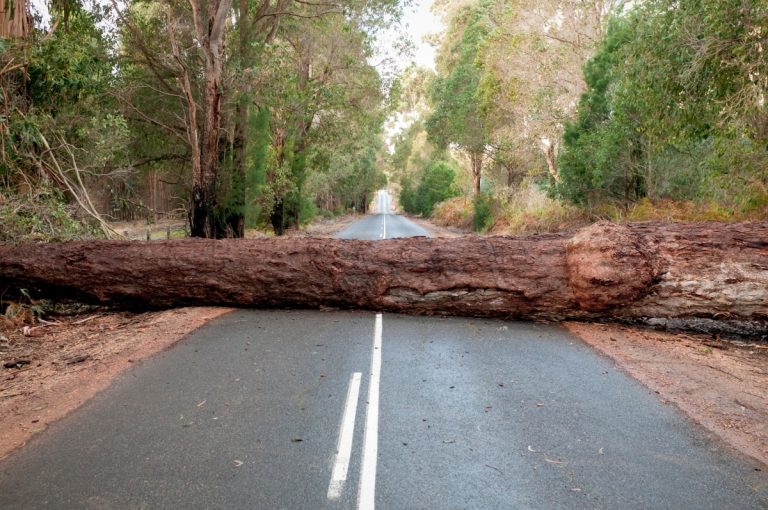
<point x="549" y="155"/>
<point x="211" y="33"/>
<point x="476" y="160"/>
<point x="192" y="129"/>
<point x="250" y="29"/>
<point x="236" y="219"/>
<point x="15" y="20"/>
<point x="277" y="217"/>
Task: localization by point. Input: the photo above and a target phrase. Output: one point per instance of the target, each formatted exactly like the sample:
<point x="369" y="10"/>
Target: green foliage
<point x="70" y="65"/>
<point x="674" y="108"/>
<point x="326" y="112"/>
<point x="408" y="197"/>
<point x="256" y="164"/>
<point x="483" y="215"/>
<point x="62" y="89"/>
<point x="435" y="184"/>
<point x="43" y="217"/>
<point x="457" y="93"/>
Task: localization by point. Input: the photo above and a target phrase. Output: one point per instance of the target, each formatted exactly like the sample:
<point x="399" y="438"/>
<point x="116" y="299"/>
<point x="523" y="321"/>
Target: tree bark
<point x="15" y="20"/>
<point x="211" y="33"/>
<point x="476" y="160"/>
<point x="606" y="270"/>
<point x="549" y="155"/>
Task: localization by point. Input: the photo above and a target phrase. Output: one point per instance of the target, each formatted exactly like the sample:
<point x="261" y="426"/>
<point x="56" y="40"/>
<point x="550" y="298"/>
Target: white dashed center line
<point x="346" y="433"/>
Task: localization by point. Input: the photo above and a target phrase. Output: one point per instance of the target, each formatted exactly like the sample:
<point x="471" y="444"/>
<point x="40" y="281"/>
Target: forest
<point x="550" y="114"/>
<point x="230" y="115"/>
<point x="266" y="114"/>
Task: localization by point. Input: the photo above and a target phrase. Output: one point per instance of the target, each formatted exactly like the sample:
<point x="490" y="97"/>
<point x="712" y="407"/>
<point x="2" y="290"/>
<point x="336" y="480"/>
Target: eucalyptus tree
<point x="531" y="63"/>
<point x="456" y="117"/>
<point x="274" y="66"/>
<point x="57" y="121"/>
<point x="14" y="19"/>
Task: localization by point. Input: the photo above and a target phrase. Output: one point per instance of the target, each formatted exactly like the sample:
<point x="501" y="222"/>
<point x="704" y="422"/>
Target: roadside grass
<point x="454" y="212"/>
<point x="529" y="211"/>
<point x="41" y="216"/>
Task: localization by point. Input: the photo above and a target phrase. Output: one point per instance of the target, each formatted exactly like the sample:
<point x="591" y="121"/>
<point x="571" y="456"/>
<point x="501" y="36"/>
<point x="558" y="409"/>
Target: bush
<point x="530" y="211"/>
<point x="408" y="197"/>
<point x="41" y="217"/>
<point x="483" y="217"/>
<point x="454" y="212"/>
<point x="435" y="186"/>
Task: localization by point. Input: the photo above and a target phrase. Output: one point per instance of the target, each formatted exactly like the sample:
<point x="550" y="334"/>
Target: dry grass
<point x="455" y="212"/>
<point x="671" y="210"/>
<point x="530" y="211"/>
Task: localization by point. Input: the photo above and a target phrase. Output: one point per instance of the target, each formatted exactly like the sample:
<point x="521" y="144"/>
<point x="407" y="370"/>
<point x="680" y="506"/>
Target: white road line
<point x="367" y="495"/>
<point x="346" y="433"/>
<point x="384" y="234"/>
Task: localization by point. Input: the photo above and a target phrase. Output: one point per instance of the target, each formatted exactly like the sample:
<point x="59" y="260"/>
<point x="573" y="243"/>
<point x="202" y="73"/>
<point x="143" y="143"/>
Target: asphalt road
<point x="313" y="410"/>
<point x="382" y="224"/>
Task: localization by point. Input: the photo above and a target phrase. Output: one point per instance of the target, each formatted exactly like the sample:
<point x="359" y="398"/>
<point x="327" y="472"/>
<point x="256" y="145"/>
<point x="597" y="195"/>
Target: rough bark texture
<point x="606" y="270"/>
<point x="15" y="20"/>
<point x="211" y="34"/>
<point x="476" y="160"/>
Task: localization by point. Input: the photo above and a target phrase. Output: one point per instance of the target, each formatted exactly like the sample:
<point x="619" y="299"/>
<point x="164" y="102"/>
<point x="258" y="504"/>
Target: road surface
<point x="383" y="224"/>
<point x="314" y="410"/>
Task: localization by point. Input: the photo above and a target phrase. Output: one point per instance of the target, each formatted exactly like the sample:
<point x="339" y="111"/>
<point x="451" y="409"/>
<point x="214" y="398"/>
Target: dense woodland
<point x="252" y="113"/>
<point x="551" y="113"/>
<point x="266" y="113"/>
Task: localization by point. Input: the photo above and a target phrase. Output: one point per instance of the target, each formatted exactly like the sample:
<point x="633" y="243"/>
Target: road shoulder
<point x="50" y="370"/>
<point x="722" y="385"/>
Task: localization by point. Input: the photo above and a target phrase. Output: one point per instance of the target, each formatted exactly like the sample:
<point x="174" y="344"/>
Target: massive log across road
<point x="675" y="270"/>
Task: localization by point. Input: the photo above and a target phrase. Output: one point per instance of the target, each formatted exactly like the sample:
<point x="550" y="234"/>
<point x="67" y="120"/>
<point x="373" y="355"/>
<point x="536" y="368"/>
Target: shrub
<point x="454" y="212"/>
<point x="483" y="217"/>
<point x="41" y="217"/>
<point x="436" y="185"/>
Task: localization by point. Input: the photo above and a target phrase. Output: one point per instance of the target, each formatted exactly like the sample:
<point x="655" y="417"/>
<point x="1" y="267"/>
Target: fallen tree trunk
<point x="606" y="270"/>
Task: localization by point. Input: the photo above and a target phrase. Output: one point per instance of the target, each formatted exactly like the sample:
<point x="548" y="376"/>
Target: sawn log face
<point x="636" y="270"/>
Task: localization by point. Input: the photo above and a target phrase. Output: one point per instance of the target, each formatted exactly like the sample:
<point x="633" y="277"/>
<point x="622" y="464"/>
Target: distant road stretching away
<point x="382" y="224"/>
<point x="360" y="410"/>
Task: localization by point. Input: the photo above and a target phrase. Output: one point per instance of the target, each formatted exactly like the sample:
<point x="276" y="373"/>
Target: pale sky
<point x="391" y="57"/>
<point x="420" y="21"/>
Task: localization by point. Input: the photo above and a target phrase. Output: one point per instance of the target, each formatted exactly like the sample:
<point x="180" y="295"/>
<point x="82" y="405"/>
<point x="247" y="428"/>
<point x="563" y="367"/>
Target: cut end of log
<point x="609" y="266"/>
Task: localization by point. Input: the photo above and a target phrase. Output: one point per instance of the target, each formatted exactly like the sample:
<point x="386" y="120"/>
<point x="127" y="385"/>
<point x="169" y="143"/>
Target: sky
<point x="391" y="57"/>
<point x="420" y="21"/>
